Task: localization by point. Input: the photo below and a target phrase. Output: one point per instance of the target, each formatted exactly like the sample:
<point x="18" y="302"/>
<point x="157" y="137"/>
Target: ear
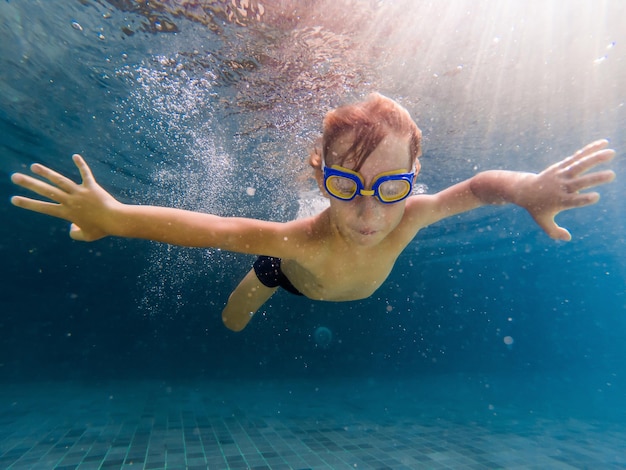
<point x="319" y="178"/>
<point x="418" y="167"/>
<point x="315" y="160"/>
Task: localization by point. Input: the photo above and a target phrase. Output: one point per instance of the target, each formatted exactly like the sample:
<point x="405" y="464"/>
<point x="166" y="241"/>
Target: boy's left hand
<point x="558" y="187"/>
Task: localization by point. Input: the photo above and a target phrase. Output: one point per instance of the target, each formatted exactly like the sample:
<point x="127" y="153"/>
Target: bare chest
<point x="341" y="276"/>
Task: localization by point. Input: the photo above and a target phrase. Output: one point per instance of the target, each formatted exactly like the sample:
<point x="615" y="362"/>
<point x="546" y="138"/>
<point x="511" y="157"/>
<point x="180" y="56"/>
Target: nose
<point x="368" y="207"/>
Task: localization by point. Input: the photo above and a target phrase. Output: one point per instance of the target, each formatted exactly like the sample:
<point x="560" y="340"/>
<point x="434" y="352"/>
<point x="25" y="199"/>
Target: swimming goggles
<point x="389" y="187"/>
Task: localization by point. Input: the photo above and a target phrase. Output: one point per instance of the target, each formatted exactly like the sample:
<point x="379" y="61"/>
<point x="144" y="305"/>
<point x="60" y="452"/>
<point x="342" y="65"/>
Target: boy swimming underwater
<point x="366" y="166"/>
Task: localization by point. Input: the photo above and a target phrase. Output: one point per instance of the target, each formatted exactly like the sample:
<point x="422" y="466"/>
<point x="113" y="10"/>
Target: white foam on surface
<point x="310" y="203"/>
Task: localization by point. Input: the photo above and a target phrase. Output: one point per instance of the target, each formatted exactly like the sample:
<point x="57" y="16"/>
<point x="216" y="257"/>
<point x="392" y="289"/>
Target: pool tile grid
<point x="192" y="428"/>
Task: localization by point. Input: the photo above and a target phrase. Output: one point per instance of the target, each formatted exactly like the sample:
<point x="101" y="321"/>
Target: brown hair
<point x="370" y="121"/>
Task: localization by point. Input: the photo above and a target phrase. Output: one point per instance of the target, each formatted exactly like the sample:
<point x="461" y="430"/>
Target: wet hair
<point x="369" y="122"/>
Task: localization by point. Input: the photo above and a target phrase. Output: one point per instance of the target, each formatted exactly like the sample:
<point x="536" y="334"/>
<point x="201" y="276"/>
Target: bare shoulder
<point x="309" y="229"/>
<point x="422" y="210"/>
<point x="306" y="232"/>
<point x="425" y="209"/>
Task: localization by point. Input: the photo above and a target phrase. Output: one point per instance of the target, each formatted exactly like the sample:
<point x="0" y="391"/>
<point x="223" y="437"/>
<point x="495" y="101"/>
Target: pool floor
<point x="292" y="424"/>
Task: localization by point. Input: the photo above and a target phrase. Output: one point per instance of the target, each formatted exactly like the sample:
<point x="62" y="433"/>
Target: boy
<point x="366" y="166"/>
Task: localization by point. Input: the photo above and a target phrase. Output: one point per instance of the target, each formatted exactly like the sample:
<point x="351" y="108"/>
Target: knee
<point x="234" y="322"/>
<point x="233" y="326"/>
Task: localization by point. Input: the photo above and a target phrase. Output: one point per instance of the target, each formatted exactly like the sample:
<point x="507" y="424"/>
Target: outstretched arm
<point x="543" y="195"/>
<point x="95" y="214"/>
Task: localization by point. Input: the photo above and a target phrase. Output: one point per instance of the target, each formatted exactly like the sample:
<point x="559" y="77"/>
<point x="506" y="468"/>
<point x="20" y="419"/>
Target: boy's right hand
<point x="89" y="207"/>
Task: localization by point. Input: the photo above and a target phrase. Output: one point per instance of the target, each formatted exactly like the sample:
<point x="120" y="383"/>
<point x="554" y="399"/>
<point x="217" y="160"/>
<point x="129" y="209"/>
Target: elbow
<point x="489" y="187"/>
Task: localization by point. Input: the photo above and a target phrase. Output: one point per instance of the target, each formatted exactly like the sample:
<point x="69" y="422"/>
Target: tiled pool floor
<point x="351" y="424"/>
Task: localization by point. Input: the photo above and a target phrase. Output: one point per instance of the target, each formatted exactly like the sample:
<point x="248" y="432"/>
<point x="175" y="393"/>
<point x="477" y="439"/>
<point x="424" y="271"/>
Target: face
<point x="365" y="220"/>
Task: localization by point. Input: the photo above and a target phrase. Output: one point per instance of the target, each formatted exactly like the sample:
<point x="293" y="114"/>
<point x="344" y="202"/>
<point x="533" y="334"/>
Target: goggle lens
<point x="341" y="187"/>
<point x="394" y="190"/>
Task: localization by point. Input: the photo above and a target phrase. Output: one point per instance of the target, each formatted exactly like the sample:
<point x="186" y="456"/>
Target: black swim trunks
<point x="268" y="271"/>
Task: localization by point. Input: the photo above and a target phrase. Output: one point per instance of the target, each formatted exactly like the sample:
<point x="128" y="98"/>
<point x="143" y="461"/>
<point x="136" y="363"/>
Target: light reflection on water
<point x="492" y="84"/>
<point x="192" y="106"/>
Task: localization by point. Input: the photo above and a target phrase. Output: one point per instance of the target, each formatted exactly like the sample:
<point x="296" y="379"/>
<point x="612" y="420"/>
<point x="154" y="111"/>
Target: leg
<point x="245" y="300"/>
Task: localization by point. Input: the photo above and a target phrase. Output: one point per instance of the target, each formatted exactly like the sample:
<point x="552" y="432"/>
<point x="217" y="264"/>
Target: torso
<point x="326" y="271"/>
<point x="337" y="278"/>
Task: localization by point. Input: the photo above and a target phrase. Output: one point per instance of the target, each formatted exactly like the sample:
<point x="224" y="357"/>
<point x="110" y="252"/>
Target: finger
<point x="583" y="164"/>
<point x="554" y="231"/>
<point x="581" y="200"/>
<point x="42" y="207"/>
<point x="54" y="177"/>
<point x="591" y="180"/>
<point x="591" y="148"/>
<point x="559" y="233"/>
<point x="76" y="233"/>
<point x="83" y="168"/>
<point x="39" y="187"/>
<point x="585" y="151"/>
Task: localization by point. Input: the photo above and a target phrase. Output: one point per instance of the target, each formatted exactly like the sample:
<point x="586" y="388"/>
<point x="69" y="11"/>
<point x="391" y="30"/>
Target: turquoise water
<point x="486" y="330"/>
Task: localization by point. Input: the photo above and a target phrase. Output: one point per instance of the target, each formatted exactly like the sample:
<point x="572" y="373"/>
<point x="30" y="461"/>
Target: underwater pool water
<point x="489" y="346"/>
